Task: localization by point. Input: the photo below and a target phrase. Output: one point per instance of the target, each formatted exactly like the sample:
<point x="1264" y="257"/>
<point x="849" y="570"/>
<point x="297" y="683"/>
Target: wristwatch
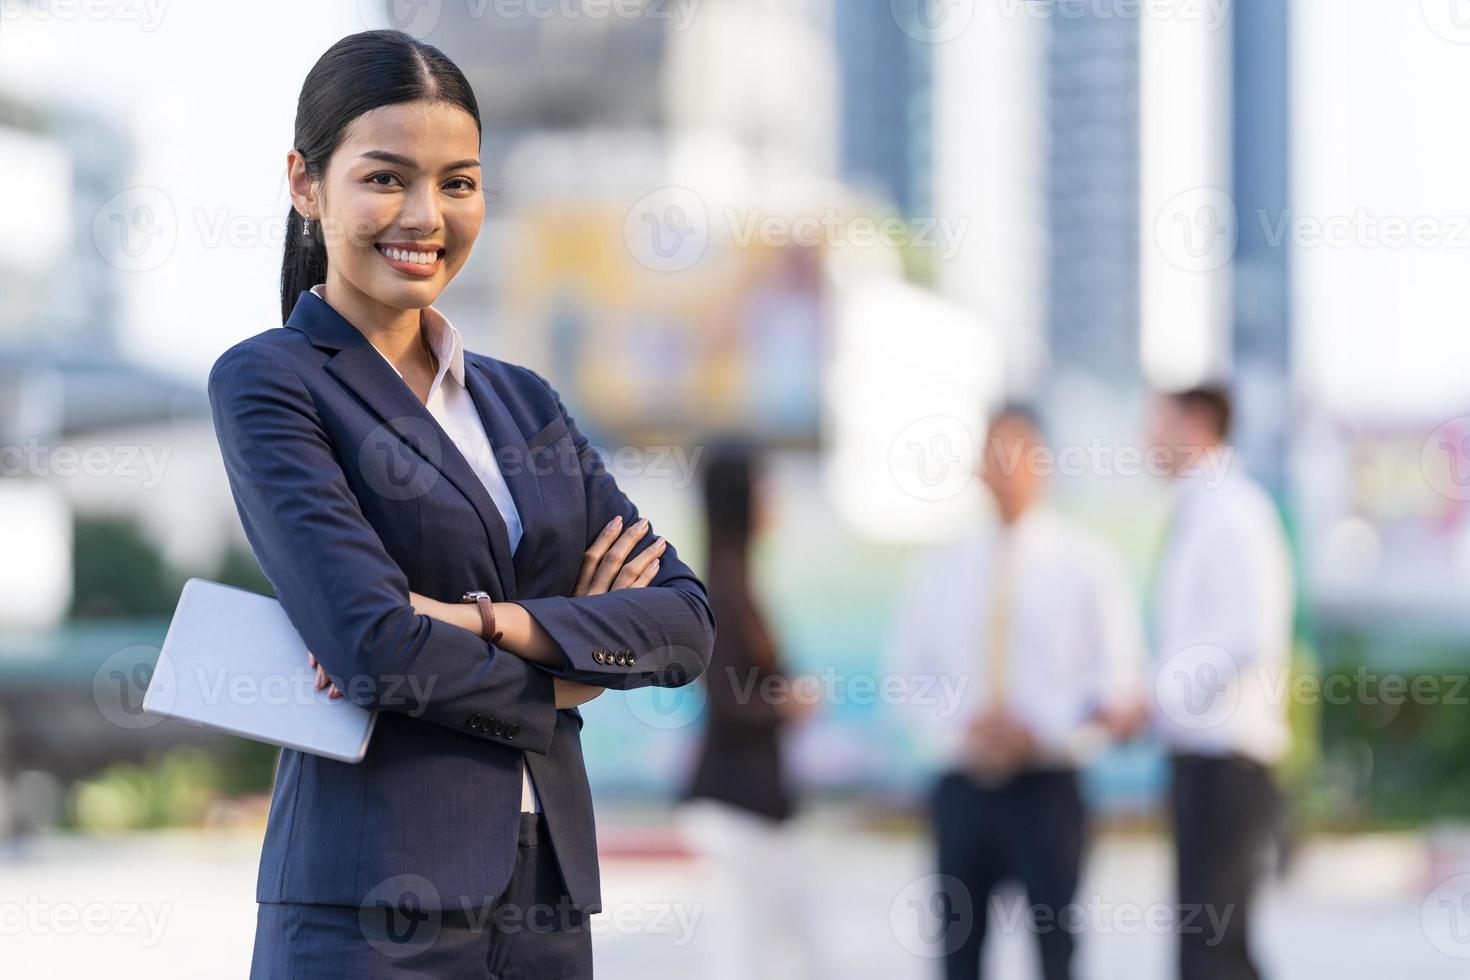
<point x="487" y="613"/>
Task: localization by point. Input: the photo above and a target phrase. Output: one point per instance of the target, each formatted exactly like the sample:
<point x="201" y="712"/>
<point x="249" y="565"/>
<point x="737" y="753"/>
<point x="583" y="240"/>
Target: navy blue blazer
<point x="351" y="495"/>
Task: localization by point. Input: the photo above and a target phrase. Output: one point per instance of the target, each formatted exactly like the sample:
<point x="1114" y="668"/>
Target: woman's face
<point x="400" y="201"/>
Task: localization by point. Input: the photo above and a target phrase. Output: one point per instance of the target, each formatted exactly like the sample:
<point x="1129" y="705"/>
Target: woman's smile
<point x="411" y="258"/>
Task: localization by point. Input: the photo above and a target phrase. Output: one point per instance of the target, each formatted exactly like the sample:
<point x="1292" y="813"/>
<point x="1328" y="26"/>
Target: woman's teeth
<point x="417" y="258"/>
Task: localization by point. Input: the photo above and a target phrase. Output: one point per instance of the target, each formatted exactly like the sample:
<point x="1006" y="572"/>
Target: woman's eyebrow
<point x="409" y="162"/>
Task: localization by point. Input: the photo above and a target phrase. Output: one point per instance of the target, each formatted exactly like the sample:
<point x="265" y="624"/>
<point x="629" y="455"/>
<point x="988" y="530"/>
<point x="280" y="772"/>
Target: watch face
<point x="472" y="596"/>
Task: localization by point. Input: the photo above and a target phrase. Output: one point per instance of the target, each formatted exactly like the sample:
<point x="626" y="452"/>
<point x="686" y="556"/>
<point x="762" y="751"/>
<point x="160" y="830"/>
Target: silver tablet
<point x="233" y="662"/>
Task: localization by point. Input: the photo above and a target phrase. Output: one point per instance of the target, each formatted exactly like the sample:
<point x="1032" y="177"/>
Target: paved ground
<point x="179" y="906"/>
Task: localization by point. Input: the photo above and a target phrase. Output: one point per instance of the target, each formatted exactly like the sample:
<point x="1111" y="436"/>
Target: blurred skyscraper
<point x="1091" y="179"/>
<point x="57" y="291"/>
<point x="887" y="118"/>
<point x="1262" y="330"/>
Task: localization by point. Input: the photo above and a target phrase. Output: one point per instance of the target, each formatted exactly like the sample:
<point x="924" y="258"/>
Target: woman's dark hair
<point x="729" y="484"/>
<point x="359" y="73"/>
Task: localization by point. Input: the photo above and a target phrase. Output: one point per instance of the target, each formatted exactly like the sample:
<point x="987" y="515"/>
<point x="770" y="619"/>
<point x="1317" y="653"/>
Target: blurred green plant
<point x="239" y="568"/>
<point x="172" y="789"/>
<point x="118" y="572"/>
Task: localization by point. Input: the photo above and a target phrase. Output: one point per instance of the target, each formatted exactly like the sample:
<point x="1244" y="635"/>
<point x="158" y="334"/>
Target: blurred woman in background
<point x="739" y="801"/>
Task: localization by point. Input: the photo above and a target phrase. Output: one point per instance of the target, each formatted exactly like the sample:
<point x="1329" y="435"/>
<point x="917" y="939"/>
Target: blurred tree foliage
<point x="119" y="572"/>
<point x="239" y="568"/>
<point x="1397" y="746"/>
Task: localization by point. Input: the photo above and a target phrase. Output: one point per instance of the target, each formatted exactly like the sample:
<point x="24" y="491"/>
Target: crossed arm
<point x="352" y="605"/>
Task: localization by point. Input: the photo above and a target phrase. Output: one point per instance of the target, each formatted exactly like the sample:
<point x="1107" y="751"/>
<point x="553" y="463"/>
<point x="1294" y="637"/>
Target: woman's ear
<point x="303" y="192"/>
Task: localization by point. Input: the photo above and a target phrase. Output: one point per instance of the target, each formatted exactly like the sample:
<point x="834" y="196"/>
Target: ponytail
<point x="304" y="263"/>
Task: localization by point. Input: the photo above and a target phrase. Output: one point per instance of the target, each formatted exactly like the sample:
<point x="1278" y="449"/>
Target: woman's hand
<point x="573" y="694"/>
<point x="603" y="568"/>
<point x="322" y="680"/>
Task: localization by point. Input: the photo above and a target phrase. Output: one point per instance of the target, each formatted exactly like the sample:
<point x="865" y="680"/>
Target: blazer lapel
<point x="359" y="366"/>
<point x="513" y="457"/>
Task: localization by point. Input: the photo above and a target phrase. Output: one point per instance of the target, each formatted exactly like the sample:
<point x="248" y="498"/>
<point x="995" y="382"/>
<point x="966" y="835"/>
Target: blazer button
<point x="597" y="656"/>
<point x="621" y="660"/>
<point x="512" y="730"/>
<point x="632" y="660"/>
<point x="476" y="721"/>
<point x="499" y="728"/>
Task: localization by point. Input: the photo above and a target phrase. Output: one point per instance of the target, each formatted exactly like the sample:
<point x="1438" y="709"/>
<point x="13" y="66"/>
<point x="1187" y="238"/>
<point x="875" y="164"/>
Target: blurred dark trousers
<point x="1225" y="811"/>
<point x="1030" y="829"/>
<point x="529" y="933"/>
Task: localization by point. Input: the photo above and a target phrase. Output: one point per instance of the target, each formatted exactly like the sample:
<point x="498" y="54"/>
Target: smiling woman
<point x="395" y="488"/>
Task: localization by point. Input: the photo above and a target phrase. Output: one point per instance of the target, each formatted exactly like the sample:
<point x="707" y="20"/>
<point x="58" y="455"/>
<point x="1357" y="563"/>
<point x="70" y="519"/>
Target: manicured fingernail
<point x="642" y="522"/>
<point x="615" y="521"/>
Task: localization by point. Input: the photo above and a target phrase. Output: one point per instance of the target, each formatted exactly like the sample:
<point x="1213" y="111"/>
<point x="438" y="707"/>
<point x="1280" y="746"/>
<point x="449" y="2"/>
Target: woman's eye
<point x="374" y="179"/>
<point x="464" y="183"/>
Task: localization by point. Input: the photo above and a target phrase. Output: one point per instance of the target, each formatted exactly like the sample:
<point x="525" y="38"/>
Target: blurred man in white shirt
<point x="1222" y="633"/>
<point x="1033" y="628"/>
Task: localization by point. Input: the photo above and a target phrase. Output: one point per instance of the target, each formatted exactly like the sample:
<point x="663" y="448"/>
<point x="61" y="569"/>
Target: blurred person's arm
<point x="1121" y="688"/>
<point x="339" y="587"/>
<point x="660" y="636"/>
